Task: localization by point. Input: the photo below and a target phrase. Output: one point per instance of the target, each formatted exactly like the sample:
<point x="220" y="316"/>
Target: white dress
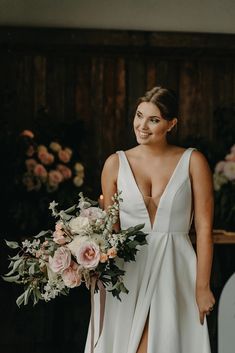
<point x="162" y="280"/>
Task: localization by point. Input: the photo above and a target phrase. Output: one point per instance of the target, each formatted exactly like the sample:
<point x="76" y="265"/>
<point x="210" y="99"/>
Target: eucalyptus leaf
<point x="11" y="278"/>
<point x="27" y="295"/>
<point x="12" y="244"/>
<point x="15" y="266"/>
<point x="32" y="269"/>
<point x="43" y="233"/>
<point x="20" y="300"/>
<point x="16" y="257"/>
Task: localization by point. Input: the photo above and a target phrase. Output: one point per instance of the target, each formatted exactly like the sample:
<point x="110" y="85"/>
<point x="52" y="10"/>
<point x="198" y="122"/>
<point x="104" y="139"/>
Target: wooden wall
<point x="96" y="76"/>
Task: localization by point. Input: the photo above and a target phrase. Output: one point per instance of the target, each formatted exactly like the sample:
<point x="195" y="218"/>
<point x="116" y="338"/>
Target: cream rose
<point x="79" y="225"/>
<point x="76" y="242"/>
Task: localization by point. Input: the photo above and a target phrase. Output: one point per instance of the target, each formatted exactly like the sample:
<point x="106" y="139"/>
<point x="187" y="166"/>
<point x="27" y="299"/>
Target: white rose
<point x="79" y="225"/>
<point x="75" y="243"/>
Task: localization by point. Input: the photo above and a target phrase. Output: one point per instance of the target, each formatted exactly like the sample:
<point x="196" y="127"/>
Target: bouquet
<point x="48" y="166"/>
<point x="224" y="185"/>
<point x="82" y="248"/>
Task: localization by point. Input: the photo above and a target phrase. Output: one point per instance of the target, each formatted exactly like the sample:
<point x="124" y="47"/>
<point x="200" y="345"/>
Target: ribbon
<point x="101" y="287"/>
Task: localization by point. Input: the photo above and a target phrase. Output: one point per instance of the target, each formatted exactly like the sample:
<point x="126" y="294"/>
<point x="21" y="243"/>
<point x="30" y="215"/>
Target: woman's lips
<point x="143" y="134"/>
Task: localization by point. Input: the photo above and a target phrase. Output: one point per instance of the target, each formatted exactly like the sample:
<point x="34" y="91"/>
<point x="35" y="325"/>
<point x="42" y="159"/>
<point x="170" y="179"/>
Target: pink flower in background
<point x="30" y="164"/>
<point x="65" y="171"/>
<point x="88" y="254"/>
<point x="54" y="177"/>
<point x="219" y="168"/>
<point x="40" y="171"/>
<point x="69" y="151"/>
<point x="42" y="148"/>
<point x="64" y="156"/>
<point x="229" y="170"/>
<point x="27" y="133"/>
<point x="61" y="260"/>
<point x="45" y="157"/>
<point x="78" y="181"/>
<point x="230" y="157"/>
<point x="31" y="183"/>
<point x="71" y="275"/>
<point x="55" y="146"/>
<point x="30" y="151"/>
<point x="232" y="149"/>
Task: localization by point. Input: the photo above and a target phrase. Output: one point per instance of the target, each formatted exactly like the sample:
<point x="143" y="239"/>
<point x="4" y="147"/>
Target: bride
<point x="163" y="186"/>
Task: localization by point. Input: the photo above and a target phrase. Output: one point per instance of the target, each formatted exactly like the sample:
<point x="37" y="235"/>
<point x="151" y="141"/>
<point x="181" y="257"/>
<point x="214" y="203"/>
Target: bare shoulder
<point x="112" y="161"/>
<point x="110" y="168"/>
<point x="198" y="160"/>
<point x="199" y="167"/>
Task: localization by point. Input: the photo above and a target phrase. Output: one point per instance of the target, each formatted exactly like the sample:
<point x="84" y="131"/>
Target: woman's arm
<point x="202" y="187"/>
<point x="109" y="182"/>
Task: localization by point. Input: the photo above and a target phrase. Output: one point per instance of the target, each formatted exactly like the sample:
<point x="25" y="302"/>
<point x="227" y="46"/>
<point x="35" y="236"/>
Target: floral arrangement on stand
<point x="49" y="166"/>
<point x="43" y="168"/>
<point x="82" y="248"/>
<point x="224" y="185"/>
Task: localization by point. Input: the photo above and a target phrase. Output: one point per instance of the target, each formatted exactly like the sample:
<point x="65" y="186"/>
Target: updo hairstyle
<point x="165" y="99"/>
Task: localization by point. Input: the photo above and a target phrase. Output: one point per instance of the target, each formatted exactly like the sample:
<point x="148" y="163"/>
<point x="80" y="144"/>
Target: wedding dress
<point x="162" y="280"/>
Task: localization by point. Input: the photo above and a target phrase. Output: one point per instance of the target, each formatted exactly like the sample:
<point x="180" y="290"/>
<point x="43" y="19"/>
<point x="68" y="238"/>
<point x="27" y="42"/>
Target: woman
<point x="162" y="186"/>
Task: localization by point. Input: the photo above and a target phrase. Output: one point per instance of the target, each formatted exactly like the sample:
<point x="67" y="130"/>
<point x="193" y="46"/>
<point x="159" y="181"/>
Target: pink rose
<point x="40" y="171"/>
<point x="71" y="276"/>
<point x="92" y="213"/>
<point x="30" y="164"/>
<point x="112" y="252"/>
<point x="219" y="168"/>
<point x="65" y="171"/>
<point x="54" y="177"/>
<point x="61" y="260"/>
<point x="27" y="133"/>
<point x="45" y="157"/>
<point x="64" y="156"/>
<point x="88" y="254"/>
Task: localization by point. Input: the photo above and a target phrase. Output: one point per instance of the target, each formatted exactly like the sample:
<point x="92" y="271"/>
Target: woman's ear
<point x="174" y="122"/>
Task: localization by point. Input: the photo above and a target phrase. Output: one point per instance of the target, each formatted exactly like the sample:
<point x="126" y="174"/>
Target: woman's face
<point x="149" y="126"/>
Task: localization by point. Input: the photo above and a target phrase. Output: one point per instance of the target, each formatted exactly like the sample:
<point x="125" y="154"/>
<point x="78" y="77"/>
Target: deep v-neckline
<point x="152" y="225"/>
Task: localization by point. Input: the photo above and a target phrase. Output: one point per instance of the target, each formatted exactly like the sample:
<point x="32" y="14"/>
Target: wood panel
<point x="96" y="77"/>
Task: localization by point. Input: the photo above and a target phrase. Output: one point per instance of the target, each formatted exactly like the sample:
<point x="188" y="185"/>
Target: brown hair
<point x="165" y="99"/>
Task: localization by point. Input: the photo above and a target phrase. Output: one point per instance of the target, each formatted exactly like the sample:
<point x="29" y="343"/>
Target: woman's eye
<point x="154" y="120"/>
<point x="139" y="115"/>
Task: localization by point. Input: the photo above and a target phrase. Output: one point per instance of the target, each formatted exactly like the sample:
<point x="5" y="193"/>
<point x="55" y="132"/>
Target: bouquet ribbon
<point x="101" y="287"/>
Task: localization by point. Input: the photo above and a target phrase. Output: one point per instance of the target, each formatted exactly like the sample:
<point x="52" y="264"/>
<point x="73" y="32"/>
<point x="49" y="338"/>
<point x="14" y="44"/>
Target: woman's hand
<point x="205" y="302"/>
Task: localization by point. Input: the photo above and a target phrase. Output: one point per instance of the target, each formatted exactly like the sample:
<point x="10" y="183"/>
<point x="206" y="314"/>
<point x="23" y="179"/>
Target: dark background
<point x="80" y="86"/>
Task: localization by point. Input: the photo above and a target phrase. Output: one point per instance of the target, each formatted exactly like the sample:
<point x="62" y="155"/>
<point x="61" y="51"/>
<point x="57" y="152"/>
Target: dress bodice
<point x="174" y="211"/>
